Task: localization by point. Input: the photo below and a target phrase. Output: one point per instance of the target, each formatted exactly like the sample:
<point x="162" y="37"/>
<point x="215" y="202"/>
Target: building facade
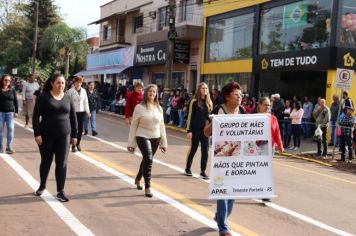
<point x="143" y="24"/>
<point x="292" y="47"/>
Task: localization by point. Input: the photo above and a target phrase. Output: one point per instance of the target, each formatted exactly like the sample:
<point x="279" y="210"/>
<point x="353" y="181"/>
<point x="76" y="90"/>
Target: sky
<point x="79" y="13"/>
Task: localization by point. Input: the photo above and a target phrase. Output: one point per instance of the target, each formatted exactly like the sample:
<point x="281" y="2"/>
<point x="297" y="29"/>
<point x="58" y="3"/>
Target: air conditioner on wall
<point x="152" y="14"/>
<point x="199" y="1"/>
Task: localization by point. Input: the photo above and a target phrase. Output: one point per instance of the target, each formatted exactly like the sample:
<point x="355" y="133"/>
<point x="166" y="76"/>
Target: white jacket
<point x="80" y="101"/>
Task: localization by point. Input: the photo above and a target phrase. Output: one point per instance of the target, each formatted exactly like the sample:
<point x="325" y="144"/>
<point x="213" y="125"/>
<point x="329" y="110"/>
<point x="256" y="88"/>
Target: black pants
<point x="296" y="132"/>
<point x="80" y="120"/>
<point x="323" y="141"/>
<point x="148" y="148"/>
<point x="346" y="141"/>
<point x="58" y="146"/>
<point x="198" y="136"/>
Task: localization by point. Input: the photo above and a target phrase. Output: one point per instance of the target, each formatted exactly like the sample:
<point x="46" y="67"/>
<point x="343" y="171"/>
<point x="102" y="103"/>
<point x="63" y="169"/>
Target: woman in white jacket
<point x="80" y="99"/>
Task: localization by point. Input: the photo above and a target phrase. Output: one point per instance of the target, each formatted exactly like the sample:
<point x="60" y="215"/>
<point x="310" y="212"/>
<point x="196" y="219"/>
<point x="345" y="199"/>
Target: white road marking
<point x="272" y="205"/>
<point x="181" y="207"/>
<point x="57" y="207"/>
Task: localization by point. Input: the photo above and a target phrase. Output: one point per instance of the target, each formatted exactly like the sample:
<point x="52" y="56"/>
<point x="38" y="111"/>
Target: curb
<point x="285" y="154"/>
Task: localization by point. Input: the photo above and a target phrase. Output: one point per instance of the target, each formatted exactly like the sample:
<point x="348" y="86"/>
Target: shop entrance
<point x="289" y="84"/>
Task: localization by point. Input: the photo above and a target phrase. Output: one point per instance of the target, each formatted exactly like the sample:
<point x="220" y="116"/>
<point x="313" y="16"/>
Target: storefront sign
<point x="346" y="58"/>
<point x="290" y="61"/>
<point x="344" y="79"/>
<point x="120" y="57"/>
<point x="182" y="52"/>
<point x="151" y="54"/>
<point x="241" y="163"/>
<point x="156" y="53"/>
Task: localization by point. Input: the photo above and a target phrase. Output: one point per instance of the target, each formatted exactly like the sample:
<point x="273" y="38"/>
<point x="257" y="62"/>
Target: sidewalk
<point x="306" y="152"/>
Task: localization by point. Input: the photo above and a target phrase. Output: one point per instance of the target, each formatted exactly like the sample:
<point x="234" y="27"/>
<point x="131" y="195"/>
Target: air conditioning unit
<point x="199" y="1"/>
<point x="152" y="14"/>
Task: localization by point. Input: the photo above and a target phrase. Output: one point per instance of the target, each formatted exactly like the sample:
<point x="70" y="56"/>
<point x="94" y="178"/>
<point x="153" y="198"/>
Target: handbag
<point x="339" y="131"/>
<point x="208" y="129"/>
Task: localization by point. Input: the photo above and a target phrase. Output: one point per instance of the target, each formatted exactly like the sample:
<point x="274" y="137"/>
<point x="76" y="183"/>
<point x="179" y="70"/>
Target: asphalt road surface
<point x="312" y="199"/>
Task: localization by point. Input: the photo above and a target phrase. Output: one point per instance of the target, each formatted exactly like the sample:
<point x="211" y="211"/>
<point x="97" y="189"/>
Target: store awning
<point x="102" y="71"/>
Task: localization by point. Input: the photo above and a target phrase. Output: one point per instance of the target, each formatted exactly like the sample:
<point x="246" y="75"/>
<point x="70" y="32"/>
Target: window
<point x="229" y="38"/>
<point x="162" y="17"/>
<point x="107" y="32"/>
<point x="187" y="9"/>
<point x="138" y="23"/>
<point x="347" y="34"/>
<point x="297" y="26"/>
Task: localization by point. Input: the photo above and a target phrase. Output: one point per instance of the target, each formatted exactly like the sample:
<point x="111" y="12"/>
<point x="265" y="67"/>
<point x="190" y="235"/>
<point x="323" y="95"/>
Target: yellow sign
<point x="349" y="61"/>
<point x="265" y="64"/>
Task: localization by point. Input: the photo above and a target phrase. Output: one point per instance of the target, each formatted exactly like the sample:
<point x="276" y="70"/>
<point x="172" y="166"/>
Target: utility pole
<point x="67" y="53"/>
<point x="172" y="35"/>
<point x="34" y="52"/>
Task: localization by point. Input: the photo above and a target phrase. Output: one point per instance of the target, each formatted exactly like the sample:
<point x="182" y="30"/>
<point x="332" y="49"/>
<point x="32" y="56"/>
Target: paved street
<point x="312" y="199"/>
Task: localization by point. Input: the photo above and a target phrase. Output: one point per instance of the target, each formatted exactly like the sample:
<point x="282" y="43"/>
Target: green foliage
<point x="45" y="71"/>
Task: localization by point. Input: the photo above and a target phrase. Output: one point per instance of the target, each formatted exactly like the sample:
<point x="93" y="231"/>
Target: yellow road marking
<point x="317" y="173"/>
<point x="305" y="158"/>
<point x="179" y="197"/>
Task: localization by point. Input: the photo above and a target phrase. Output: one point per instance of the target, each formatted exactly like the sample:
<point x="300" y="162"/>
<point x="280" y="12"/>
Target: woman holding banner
<point x="264" y="106"/>
<point x="232" y="96"/>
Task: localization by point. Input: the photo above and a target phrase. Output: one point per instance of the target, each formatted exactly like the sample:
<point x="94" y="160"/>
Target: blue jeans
<point x="92" y="121"/>
<point x="306" y="127"/>
<point x="8" y="119"/>
<point x="287" y="132"/>
<point x="223" y="210"/>
<point x="333" y="129"/>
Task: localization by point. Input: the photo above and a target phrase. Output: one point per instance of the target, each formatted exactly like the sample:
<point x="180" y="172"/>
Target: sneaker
<point x="295" y="148"/>
<point x="349" y="161"/>
<point x="9" y="150"/>
<point x="291" y="148"/>
<point x="86" y="132"/>
<point x="203" y="175"/>
<point x="95" y="133"/>
<point x="79" y="148"/>
<point x="39" y="191"/>
<point x="188" y="172"/>
<point x="225" y="234"/>
<point x="62" y="197"/>
<point x="266" y="200"/>
<point x="74" y="149"/>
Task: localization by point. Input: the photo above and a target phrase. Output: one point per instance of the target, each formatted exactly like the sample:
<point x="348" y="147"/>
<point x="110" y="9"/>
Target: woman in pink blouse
<point x="296" y="116"/>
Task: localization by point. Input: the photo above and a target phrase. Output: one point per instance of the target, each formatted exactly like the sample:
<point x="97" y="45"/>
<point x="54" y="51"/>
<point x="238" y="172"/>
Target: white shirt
<point x="80" y="101"/>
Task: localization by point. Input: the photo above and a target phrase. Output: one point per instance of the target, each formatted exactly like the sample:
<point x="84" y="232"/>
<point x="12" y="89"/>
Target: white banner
<point x="241" y="157"/>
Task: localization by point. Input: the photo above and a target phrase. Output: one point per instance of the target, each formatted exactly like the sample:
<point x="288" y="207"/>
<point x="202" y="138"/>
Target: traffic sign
<point x="344" y="79"/>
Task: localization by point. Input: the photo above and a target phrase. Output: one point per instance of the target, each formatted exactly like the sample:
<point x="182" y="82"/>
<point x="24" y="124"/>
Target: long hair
<point x="198" y="98"/>
<point x="48" y="84"/>
<point x="145" y="95"/>
<point x="2" y="81"/>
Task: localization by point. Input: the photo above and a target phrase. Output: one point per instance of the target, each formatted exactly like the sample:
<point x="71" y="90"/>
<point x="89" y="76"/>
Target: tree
<point x="48" y="15"/>
<point x="60" y="40"/>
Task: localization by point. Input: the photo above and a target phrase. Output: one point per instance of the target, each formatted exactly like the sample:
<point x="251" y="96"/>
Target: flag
<point x="295" y="15"/>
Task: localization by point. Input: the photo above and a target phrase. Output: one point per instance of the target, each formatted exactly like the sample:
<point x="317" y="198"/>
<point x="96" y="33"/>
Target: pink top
<point x="296" y="116"/>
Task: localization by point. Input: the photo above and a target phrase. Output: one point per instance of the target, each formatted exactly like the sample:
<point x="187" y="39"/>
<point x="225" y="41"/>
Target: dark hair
<point x="228" y="88"/>
<point x="297" y="105"/>
<point x="345" y="93"/>
<point x="48" y="83"/>
<point x="2" y="80"/>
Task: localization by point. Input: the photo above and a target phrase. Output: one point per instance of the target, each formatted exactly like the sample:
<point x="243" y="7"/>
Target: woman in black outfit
<point x="198" y="113"/>
<point x="56" y="130"/>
